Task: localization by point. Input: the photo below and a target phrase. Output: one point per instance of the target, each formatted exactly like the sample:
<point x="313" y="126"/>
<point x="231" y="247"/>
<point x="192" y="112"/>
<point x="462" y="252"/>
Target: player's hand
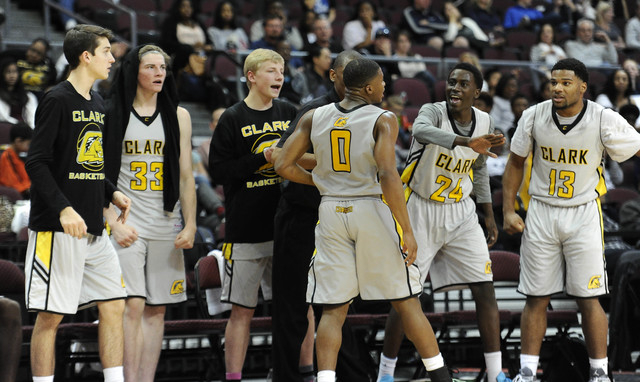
<point x="72" y="223"/>
<point x="483" y="143"/>
<point x="513" y="223"/>
<point x="185" y="238"/>
<point x="492" y="231"/>
<point x="268" y="154"/>
<point x="409" y="247"/>
<point x="274" y="153"/>
<point x="121" y="201"/>
<point x="124" y="234"/>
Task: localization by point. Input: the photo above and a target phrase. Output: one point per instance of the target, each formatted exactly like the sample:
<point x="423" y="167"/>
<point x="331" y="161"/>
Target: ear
<point x="476" y="93"/>
<point x="333" y="75"/>
<point x="251" y="76"/>
<point x="368" y="89"/>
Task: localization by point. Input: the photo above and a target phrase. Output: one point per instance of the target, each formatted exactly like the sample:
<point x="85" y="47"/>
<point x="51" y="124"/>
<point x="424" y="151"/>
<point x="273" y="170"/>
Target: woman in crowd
<point x="604" y="22"/>
<point x="225" y="34"/>
<point x="360" y="32"/>
<point x="16" y="104"/>
<point x="411" y="69"/>
<point x="546" y="51"/>
<point x="616" y="91"/>
<point x="502" y="114"/>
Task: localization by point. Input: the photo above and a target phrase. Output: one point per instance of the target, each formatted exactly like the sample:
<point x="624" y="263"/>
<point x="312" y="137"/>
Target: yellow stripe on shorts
<point x="43" y="248"/>
<point x="227" y="250"/>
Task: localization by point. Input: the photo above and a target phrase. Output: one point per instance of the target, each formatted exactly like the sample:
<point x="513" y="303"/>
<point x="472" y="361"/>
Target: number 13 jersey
<point x="343" y="144"/>
<point x="567" y="153"/>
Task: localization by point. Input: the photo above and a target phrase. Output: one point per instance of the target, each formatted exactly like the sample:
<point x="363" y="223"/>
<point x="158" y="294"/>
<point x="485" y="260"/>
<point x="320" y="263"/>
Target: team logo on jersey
<point x="264" y="142"/>
<point x="89" y="146"/>
<point x="340" y="122"/>
<point x="177" y="287"/>
<point x="487" y="268"/>
<point x="594" y="282"/>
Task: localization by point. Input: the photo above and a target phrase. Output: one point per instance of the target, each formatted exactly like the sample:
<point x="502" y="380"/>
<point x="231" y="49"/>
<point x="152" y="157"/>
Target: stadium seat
<point x="417" y="92"/>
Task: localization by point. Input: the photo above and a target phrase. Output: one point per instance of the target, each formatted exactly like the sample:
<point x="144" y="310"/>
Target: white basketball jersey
<point x="141" y="179"/>
<point x="440" y="174"/>
<point x="343" y="144"/>
<point x="567" y="158"/>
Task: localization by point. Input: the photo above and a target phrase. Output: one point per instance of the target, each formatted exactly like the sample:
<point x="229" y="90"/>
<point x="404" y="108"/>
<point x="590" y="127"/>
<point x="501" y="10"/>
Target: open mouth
<point x="276" y="87"/>
<point x="454" y="100"/>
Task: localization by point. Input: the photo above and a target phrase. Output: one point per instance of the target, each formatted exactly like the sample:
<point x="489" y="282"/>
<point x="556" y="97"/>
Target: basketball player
<point x="360" y="249"/>
<point x="70" y="261"/>
<point x="562" y="242"/>
<point x="447" y="160"/>
<point x="238" y="162"/>
<point x="153" y="168"/>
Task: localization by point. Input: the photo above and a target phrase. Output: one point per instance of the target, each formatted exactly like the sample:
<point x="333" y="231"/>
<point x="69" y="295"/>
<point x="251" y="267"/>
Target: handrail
<point x="47" y="4"/>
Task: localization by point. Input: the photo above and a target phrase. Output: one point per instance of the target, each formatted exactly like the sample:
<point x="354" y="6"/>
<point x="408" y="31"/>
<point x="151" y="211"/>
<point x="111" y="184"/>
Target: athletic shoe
<point x="526" y="375"/>
<point x="386" y="378"/>
<point x="502" y="378"/>
<point x="598" y="375"/>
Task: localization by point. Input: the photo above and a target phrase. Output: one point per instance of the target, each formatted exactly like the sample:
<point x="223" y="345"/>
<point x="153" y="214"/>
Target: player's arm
<point x="185" y="238"/>
<point x="511" y="180"/>
<point x="122" y="233"/>
<point x="300" y="141"/>
<point x="482" y="190"/>
<point x="306" y="161"/>
<point x="386" y="133"/>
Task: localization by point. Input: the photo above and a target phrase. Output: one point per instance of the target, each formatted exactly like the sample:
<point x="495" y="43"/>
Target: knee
<point x="9" y="313"/>
<point x="537" y="304"/>
<point x="111" y="310"/>
<point x="154" y="314"/>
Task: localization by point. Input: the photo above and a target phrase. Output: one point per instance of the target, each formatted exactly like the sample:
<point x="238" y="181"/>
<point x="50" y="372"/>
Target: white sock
<point x="601" y="363"/>
<point x="387" y="366"/>
<point x="326" y="376"/>
<point x="48" y="378"/>
<point x="530" y="361"/>
<point x="493" y="361"/>
<point x="433" y="362"/>
<point x="113" y="374"/>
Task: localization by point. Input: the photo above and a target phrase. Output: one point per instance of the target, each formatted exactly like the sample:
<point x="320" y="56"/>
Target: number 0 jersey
<point x="567" y="158"/>
<point x="440" y="174"/>
<point x="343" y="144"/>
<point x="141" y="178"/>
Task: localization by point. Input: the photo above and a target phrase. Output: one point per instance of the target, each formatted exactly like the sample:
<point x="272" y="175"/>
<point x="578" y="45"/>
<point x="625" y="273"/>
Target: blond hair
<point x="601" y="8"/>
<point x="150" y="48"/>
<point x="259" y="56"/>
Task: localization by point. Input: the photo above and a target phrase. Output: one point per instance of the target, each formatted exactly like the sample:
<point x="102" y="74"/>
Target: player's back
<point x="343" y="144"/>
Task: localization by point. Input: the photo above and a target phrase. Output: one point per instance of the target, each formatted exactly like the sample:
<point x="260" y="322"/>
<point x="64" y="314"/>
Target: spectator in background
<point x="544" y="91"/>
<point x="491" y="78"/>
<point x="359" y="33"/>
<point x="631" y="66"/>
<point x="37" y="70"/>
<point x="632" y="30"/>
<point x="522" y="15"/>
<point x="306" y="28"/>
<point x="225" y="34"/>
<point x="463" y="32"/>
<point x="16" y="104"/>
<point x="10" y="339"/>
<point x="567" y="11"/>
<point x="501" y="112"/>
<point x="291" y="33"/>
<point x="411" y="69"/>
<point x="604" y="22"/>
<point x="484" y="102"/>
<point x="273" y="27"/>
<point x="588" y="51"/>
<point x="324" y="35"/>
<point x="474" y="60"/>
<point x="294" y="86"/>
<point x="487" y="19"/>
<point x="12" y="170"/>
<point x="182" y="35"/>
<point x="546" y="52"/>
<point x="316" y="73"/>
<point x="67" y="21"/>
<point x="382" y="47"/>
<point x="616" y="91"/>
<point x="322" y="8"/>
<point x="426" y="25"/>
<point x="631" y="113"/>
<point x="203" y="149"/>
<point x="519" y="103"/>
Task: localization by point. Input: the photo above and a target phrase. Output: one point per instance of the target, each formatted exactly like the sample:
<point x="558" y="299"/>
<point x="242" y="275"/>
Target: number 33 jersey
<point x="567" y="152"/>
<point x="141" y="178"/>
<point x="441" y="174"/>
<point x="343" y="144"/>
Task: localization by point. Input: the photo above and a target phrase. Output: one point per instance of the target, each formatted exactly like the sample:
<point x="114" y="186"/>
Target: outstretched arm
<point x="300" y="141"/>
<point x="386" y="133"/>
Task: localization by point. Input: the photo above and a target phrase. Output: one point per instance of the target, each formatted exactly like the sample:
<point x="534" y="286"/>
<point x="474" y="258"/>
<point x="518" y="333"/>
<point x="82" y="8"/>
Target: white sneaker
<point x="598" y="375"/>
<point x="526" y="375"/>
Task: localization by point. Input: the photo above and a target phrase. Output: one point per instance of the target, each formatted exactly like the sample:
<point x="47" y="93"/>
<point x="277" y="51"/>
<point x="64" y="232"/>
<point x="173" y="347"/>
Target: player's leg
<point x="328" y="340"/>
<point x="393" y="337"/>
<point x="10" y="338"/>
<point x="306" y="350"/>
<point x="419" y="332"/>
<point x="133" y="338"/>
<point x="595" y="327"/>
<point x="43" y="341"/>
<point x="489" y="326"/>
<point x="237" y="335"/>
<point x="152" y="334"/>
<point x="110" y="332"/>
<point x="533" y="326"/>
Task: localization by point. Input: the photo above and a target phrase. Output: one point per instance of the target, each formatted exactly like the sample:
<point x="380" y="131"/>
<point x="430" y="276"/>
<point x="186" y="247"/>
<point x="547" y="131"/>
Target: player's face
<point x="567" y="91"/>
<point x="268" y="79"/>
<point x="461" y="90"/>
<point x="152" y="72"/>
<point x="102" y="59"/>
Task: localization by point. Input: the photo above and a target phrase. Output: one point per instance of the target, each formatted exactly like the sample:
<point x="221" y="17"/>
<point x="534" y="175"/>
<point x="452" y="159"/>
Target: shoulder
<point x="182" y="112"/>
<point x="284" y="108"/>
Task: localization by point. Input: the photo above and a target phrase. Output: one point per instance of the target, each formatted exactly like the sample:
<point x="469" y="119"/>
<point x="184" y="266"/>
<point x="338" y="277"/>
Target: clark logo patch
<point x="340" y="122"/>
<point x="594" y="282"/>
<point x="177" y="287"/>
<point x="487" y="268"/>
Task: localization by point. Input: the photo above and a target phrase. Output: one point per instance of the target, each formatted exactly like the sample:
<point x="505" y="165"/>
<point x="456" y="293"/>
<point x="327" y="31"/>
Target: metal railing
<point x="48" y="4"/>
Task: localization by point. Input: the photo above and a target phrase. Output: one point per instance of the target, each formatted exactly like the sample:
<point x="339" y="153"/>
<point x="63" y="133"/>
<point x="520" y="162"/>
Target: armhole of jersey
<point x="604" y="148"/>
